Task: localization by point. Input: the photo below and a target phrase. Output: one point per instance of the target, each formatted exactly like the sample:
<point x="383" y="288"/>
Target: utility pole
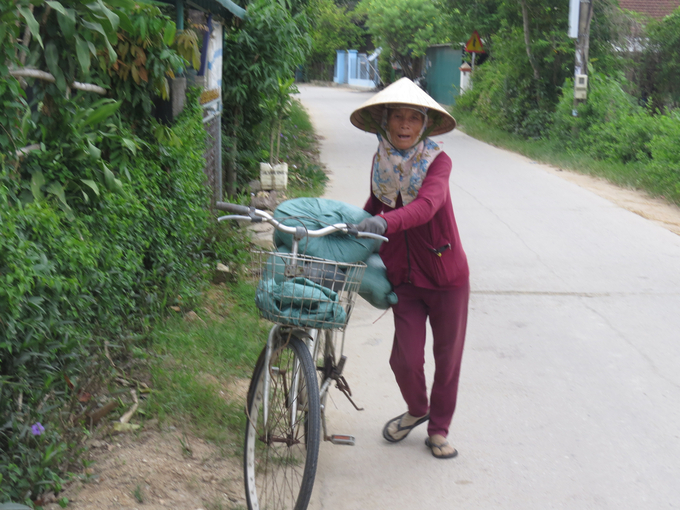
<point x="582" y="46"/>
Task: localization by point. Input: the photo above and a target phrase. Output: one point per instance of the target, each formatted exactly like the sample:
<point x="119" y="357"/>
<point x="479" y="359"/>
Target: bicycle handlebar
<point x="234" y="208"/>
<point x="256" y="215"/>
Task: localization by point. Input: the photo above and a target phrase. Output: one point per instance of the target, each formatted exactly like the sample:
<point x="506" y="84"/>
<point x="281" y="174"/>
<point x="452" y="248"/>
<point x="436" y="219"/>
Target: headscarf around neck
<point x="398" y="171"/>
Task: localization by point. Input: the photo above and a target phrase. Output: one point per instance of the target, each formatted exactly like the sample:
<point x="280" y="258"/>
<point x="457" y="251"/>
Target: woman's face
<point x="404" y="126"/>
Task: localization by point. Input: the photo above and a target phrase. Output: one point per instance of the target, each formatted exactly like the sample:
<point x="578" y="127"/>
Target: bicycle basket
<point x="304" y="291"/>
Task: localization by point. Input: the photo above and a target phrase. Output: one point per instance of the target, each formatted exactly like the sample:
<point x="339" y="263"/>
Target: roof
<point x="656" y="9"/>
<point x="224" y="8"/>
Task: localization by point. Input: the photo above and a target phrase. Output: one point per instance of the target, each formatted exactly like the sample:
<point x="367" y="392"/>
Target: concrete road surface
<point x="570" y="388"/>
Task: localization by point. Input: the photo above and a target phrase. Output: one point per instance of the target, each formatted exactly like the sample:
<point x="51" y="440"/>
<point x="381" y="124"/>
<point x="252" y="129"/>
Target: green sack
<point x="315" y="213"/>
<point x="300" y="302"/>
<point x="375" y="287"/>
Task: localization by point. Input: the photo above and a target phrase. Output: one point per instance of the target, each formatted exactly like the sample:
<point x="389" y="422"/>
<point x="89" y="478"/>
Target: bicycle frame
<point x="312" y="336"/>
<point x="309" y="300"/>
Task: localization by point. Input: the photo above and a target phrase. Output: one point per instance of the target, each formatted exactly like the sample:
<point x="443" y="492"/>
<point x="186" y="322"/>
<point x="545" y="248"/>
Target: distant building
<point x="656" y="9"/>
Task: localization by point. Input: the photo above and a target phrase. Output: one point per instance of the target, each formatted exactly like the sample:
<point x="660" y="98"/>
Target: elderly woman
<point x="411" y="205"/>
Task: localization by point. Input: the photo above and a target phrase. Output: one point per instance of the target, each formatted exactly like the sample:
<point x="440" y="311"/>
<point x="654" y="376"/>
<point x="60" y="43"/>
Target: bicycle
<point x="309" y="300"/>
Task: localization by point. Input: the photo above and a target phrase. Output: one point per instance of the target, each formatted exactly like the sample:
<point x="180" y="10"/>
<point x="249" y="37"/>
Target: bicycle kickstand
<point x="341" y="384"/>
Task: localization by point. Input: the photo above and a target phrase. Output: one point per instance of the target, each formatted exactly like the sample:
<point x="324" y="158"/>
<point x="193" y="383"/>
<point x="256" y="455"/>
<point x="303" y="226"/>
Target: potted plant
<point x="274" y="175"/>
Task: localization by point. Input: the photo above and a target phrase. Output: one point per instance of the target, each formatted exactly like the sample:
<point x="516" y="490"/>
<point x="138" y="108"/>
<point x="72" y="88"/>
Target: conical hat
<point x="402" y="93"/>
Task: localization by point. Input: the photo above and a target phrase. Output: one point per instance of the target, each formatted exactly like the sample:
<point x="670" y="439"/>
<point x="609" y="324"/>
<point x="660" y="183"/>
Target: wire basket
<point x="308" y="292"/>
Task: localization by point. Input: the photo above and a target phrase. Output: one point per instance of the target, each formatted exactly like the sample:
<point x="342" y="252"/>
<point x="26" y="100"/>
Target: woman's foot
<point x="440" y="447"/>
<point x="398" y="428"/>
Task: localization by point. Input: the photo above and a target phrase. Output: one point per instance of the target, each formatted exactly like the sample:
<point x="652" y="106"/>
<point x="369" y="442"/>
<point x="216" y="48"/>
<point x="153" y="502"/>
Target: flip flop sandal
<point x="398" y="419"/>
<point x="432" y="446"/>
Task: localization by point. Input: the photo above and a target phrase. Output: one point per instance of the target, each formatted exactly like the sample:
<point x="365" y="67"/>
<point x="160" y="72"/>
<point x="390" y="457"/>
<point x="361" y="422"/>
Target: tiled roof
<point x="654" y="8"/>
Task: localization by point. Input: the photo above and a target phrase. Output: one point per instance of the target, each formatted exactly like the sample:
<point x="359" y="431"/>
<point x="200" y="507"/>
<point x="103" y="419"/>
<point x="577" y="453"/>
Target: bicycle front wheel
<point x="281" y="454"/>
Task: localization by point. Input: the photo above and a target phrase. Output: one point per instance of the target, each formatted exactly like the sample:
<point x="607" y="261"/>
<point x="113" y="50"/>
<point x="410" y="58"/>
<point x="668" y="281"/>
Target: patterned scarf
<point x="396" y="171"/>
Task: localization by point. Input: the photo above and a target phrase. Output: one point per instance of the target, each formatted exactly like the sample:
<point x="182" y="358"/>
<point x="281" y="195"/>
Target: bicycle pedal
<point x="342" y="439"/>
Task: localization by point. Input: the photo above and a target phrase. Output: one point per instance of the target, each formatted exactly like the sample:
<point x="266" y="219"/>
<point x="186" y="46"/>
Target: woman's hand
<point x="374" y="225"/>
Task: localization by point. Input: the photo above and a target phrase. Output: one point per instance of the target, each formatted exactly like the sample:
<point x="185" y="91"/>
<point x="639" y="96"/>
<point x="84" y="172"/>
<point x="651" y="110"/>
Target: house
<point x="215" y="15"/>
<point x="655" y="9"/>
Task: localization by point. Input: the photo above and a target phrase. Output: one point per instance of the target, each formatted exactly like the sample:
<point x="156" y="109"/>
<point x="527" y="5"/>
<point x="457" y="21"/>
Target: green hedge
<point x="636" y="145"/>
<point x="612" y="126"/>
<point x="69" y="283"/>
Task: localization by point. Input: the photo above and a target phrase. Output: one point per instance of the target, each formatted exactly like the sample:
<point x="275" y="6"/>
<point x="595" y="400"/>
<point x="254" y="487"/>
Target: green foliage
<point x="69" y="34"/>
<point x="102" y="225"/>
<point x="664" y="171"/>
<point x="111" y="270"/>
<point x="385" y="68"/>
<point x="278" y="106"/>
<point x="298" y="148"/>
<point x="270" y="46"/>
<point x="222" y="346"/>
<point x="407" y="28"/>
<point x="612" y="137"/>
<point x="507" y="93"/>
<point x="70" y="136"/>
<point x="610" y="125"/>
<point x="662" y="58"/>
<point x="82" y="149"/>
<point x="258" y="56"/>
<point x="145" y="60"/>
<point x="187" y="46"/>
<point x="485" y="16"/>
<point x="331" y="29"/>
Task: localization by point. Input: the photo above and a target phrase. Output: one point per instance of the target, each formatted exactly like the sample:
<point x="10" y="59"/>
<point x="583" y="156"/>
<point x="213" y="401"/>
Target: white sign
<point x="574" y="11"/>
<point x="213" y="73"/>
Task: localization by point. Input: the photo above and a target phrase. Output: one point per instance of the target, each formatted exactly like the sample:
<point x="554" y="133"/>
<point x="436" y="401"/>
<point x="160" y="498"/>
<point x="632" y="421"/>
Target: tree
<point x="407" y="28"/>
<point x="267" y="48"/>
<point x="663" y="58"/>
<point x="484" y="16"/>
<point x="530" y="57"/>
<point x="332" y="29"/>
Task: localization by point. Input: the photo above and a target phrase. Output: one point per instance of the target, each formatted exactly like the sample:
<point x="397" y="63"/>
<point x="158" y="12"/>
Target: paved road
<point x="570" y="389"/>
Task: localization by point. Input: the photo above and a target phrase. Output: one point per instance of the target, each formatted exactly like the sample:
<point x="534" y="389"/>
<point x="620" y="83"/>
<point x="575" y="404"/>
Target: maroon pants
<point x="447" y="310"/>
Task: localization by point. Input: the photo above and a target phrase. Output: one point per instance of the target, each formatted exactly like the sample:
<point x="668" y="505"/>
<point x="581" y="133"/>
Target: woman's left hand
<point x="374" y="225"/>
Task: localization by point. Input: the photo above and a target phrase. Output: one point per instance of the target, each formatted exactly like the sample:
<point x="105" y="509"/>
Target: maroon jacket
<point x="424" y="247"/>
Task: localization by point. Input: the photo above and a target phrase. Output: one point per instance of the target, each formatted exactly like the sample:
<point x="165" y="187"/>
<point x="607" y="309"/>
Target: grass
<point x="629" y="175"/>
<point x="199" y="362"/>
<point x="299" y="148"/>
<point x="138" y="494"/>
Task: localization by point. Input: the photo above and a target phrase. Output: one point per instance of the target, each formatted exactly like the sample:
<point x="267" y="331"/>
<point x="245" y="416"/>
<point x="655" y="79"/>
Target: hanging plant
<point x="186" y="44"/>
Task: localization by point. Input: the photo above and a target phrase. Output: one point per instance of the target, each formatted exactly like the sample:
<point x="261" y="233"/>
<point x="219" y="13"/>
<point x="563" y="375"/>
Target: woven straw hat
<point x="402" y="93"/>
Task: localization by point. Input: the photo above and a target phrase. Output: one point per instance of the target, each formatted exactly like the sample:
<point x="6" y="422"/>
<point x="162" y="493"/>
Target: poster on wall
<point x="213" y="73"/>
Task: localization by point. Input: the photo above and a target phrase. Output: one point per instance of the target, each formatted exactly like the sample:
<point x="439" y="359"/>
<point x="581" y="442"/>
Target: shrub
<point x="625" y="139"/>
<point x="607" y="103"/>
<point x="68" y="284"/>
<point x="505" y="94"/>
<point x="664" y="170"/>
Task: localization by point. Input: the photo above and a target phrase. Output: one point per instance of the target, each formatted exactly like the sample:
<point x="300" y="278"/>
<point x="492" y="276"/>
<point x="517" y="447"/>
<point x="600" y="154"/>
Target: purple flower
<point x="37" y="429"/>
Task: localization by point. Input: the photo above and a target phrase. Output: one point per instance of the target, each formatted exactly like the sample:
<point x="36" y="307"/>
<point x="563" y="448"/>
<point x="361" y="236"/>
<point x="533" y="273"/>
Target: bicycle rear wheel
<point x="280" y="456"/>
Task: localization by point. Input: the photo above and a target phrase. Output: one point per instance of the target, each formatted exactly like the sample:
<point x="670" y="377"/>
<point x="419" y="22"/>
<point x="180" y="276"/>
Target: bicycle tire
<point x="280" y="459"/>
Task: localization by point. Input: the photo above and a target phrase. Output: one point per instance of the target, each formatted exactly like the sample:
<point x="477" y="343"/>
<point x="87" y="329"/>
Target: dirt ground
<point x="163" y="468"/>
<point x="157" y="469"/>
<point x="653" y="209"/>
